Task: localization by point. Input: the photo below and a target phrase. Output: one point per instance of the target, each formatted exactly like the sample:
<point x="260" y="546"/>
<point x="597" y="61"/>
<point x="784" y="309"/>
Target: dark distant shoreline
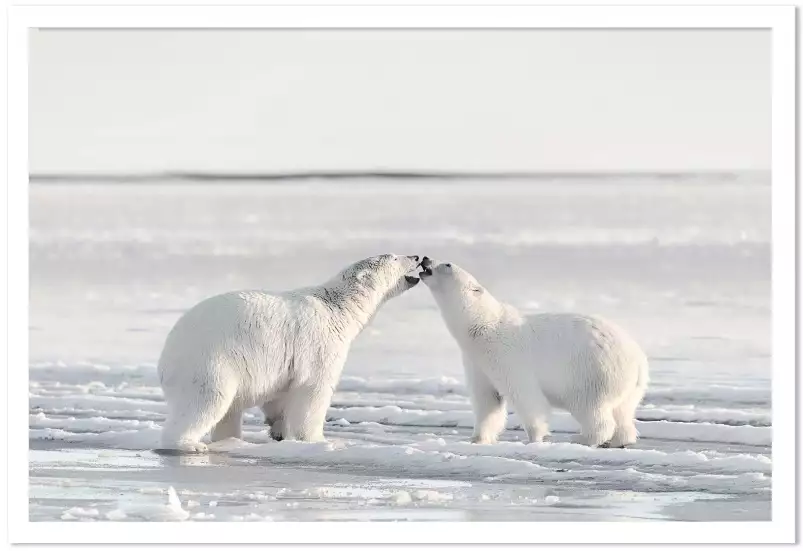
<point x="255" y="177"/>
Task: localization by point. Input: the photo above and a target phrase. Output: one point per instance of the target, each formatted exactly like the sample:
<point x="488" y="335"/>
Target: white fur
<point x="285" y="350"/>
<point x="582" y="364"/>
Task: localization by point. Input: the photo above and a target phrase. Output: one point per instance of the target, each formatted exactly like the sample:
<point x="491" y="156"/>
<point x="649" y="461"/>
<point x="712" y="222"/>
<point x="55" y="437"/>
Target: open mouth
<point x="411" y="279"/>
<point x="426" y="267"/>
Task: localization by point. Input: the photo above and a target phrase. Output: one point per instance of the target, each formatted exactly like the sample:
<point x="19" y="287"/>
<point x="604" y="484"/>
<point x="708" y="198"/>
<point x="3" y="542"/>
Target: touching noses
<point x="413" y="257"/>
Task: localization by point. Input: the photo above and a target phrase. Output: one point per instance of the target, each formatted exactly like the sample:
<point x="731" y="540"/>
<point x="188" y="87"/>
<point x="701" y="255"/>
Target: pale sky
<point x="448" y="100"/>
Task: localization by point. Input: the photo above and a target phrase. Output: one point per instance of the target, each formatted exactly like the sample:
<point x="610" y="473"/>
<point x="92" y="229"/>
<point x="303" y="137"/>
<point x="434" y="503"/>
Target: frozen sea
<point x="683" y="262"/>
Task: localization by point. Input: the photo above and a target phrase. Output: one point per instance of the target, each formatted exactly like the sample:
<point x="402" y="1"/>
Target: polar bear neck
<point x="467" y="319"/>
<point x="351" y="305"/>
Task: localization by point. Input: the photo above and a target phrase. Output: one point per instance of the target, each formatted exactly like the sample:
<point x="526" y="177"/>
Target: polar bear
<point x="582" y="364"/>
<point x="241" y="349"/>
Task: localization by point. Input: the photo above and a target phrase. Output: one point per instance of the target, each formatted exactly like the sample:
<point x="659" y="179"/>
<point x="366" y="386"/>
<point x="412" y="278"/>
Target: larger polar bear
<point x="583" y="364"/>
<point x="241" y="349"/>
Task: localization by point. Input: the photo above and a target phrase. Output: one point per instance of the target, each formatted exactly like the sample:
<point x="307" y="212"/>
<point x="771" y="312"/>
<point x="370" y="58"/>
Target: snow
<point x="111" y="274"/>
<point x="75" y="513"/>
<point x="164" y="512"/>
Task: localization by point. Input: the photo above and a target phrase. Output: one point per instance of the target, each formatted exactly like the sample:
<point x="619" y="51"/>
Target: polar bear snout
<point x="410" y="263"/>
<point x="431" y="267"/>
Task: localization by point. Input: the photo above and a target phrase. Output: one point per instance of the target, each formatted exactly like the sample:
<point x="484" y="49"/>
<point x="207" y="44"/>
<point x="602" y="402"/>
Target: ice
<point x="79" y="513"/>
<point x="663" y="429"/>
<point x="437" y="386"/>
<point x="683" y="263"/>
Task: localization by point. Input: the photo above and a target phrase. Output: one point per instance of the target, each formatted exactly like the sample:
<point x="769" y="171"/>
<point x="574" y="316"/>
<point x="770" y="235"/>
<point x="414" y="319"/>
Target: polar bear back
<point x="243" y="336"/>
<point x="570" y="352"/>
<point x="220" y="322"/>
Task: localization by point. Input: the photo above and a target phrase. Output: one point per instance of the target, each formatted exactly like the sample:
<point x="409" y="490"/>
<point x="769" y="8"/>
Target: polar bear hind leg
<point x="277" y="429"/>
<point x="597" y="426"/>
<point x="625" y="416"/>
<point x="192" y="414"/>
<point x="274" y="416"/>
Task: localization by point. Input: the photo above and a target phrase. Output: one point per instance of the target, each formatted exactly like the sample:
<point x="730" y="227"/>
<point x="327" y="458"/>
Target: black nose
<point x="415" y="257"/>
<point x="426" y="263"/>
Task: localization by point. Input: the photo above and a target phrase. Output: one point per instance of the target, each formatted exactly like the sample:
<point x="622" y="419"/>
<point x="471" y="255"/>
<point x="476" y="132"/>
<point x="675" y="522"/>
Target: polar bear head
<point x="387" y="275"/>
<point x="448" y="280"/>
<point x="461" y="299"/>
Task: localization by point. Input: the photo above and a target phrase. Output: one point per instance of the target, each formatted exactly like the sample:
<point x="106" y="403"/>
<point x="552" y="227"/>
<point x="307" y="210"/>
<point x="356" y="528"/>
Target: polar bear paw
<point x="184" y="447"/>
<point x="585" y="440"/>
<point x="277" y="431"/>
<point x="625" y="435"/>
<point x="193" y="447"/>
<point x="480" y="439"/>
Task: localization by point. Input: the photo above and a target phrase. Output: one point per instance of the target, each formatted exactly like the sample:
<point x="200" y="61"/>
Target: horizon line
<point x="190" y="175"/>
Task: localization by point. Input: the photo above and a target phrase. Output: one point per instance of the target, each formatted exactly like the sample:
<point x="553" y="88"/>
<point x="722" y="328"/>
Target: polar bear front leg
<point x="490" y="413"/>
<point x="533" y="410"/>
<point x="231" y="426"/>
<point x="305" y="411"/>
<point x="537" y="428"/>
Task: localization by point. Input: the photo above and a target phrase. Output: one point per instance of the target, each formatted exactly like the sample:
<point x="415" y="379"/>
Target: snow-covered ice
<point x="683" y="263"/>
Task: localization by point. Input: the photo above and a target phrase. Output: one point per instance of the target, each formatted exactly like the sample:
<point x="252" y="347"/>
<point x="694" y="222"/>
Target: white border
<point x="782" y="22"/>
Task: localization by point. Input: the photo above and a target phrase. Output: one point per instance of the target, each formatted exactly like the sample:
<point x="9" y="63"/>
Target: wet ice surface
<point x="112" y="267"/>
<point x="131" y="485"/>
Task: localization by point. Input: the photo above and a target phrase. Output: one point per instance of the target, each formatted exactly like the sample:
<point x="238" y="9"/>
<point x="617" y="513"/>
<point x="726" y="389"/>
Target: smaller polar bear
<point x="582" y="364"/>
<point x="283" y="351"/>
